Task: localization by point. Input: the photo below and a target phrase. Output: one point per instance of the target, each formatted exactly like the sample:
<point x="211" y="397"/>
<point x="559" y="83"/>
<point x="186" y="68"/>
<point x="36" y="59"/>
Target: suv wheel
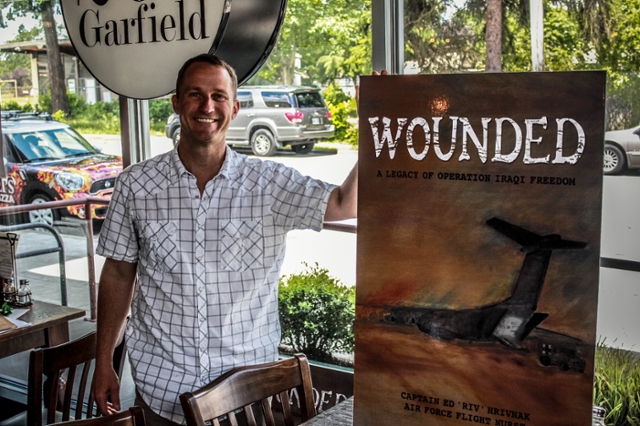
<point x="176" y="137"/>
<point x="45" y="216"/>
<point x="613" y="160"/>
<point x="302" y="149"/>
<point x="263" y="143"/>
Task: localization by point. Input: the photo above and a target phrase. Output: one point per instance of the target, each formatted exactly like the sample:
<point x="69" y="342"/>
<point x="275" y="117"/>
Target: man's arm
<point x="343" y="202"/>
<point x="115" y="293"/>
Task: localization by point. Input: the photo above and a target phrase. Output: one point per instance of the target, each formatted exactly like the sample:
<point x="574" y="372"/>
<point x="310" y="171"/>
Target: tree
<point x="45" y="9"/>
<point x="438" y="41"/>
<point x="11" y="62"/>
<point x="328" y="39"/>
<point x="493" y="36"/>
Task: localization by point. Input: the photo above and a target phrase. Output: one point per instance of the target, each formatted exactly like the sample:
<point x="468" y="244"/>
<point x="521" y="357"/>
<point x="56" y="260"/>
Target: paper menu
<point x="8" y="247"/>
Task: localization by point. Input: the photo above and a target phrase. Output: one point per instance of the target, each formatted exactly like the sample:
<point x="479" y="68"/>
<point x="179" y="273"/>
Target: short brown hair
<point x="208" y="59"/>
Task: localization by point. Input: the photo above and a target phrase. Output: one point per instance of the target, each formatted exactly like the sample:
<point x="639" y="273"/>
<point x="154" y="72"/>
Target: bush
<point x="44" y="103"/>
<point x="14" y="105"/>
<point x="160" y="110"/>
<point x="617" y="385"/>
<point x="342" y="107"/>
<point x="317" y="314"/>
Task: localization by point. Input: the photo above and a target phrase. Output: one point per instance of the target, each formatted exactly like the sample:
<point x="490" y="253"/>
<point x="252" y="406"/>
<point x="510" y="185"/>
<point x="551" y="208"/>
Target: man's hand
<point x="383" y="72"/>
<point x="106" y="390"/>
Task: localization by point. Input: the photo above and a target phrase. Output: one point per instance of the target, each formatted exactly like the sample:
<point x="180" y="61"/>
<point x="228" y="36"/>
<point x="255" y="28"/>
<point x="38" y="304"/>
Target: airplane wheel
<point x="545" y="360"/>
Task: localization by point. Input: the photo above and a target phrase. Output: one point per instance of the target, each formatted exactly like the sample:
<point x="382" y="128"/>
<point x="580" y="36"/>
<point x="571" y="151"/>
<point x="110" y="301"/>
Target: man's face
<point x="206" y="104"/>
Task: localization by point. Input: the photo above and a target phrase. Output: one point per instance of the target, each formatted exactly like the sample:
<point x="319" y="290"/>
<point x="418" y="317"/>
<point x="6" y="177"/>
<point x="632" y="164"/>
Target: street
<point x="619" y="299"/>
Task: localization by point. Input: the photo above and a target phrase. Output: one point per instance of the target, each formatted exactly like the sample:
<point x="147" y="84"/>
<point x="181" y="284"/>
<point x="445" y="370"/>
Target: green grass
<point x="617" y="385"/>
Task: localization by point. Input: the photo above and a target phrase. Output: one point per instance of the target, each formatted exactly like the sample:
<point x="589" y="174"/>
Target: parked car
<point x="621" y="150"/>
<point x="274" y="117"/>
<point x="45" y="160"/>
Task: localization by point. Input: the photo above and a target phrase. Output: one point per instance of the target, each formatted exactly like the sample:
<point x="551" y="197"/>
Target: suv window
<point x="245" y="99"/>
<point x="277" y="99"/>
<point x="309" y="100"/>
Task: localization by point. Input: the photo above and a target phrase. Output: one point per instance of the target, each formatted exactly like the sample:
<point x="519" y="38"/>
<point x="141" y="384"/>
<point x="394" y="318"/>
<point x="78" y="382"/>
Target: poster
<point x="478" y="248"/>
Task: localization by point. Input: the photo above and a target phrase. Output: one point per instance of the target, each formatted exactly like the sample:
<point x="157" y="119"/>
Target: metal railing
<point x="48" y="250"/>
<point x="88" y="202"/>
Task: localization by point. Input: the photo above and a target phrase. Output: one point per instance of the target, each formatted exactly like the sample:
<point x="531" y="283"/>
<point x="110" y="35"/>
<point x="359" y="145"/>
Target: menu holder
<point x="8" y="247"/>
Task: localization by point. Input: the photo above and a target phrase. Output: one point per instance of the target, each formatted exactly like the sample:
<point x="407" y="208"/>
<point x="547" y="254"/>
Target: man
<point x="203" y="230"/>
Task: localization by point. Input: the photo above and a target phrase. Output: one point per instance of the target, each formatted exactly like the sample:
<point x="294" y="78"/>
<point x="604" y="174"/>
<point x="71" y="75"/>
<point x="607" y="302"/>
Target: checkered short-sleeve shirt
<point x="208" y="266"/>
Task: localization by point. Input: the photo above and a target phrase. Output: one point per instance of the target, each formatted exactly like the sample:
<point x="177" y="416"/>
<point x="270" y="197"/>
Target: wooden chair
<point x="134" y="416"/>
<point x="47" y="366"/>
<point x="242" y="387"/>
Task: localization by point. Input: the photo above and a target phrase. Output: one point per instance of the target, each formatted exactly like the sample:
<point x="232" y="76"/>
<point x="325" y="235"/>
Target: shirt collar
<point x="229" y="169"/>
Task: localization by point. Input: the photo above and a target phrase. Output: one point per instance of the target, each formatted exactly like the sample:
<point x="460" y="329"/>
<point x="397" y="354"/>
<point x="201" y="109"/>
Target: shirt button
<point x="202" y="349"/>
<point x="200" y="289"/>
<point x="199" y="258"/>
<point x="201" y="319"/>
<point x="197" y="197"/>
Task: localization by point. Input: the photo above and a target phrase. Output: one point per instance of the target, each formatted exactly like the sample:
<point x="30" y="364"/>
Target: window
<point x="246" y="100"/>
<point x="277" y="99"/>
<point x="309" y="100"/>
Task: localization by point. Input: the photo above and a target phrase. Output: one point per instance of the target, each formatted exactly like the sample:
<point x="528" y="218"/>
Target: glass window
<point x="277" y="99"/>
<point x="246" y="100"/>
<point x="309" y="100"/>
<point x="54" y="144"/>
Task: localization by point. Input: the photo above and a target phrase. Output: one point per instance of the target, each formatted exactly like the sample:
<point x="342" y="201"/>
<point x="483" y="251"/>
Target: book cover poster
<point x="478" y="248"/>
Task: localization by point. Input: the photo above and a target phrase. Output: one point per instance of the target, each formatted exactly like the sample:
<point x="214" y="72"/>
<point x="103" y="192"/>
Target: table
<point x="338" y="415"/>
<point x="49" y="327"/>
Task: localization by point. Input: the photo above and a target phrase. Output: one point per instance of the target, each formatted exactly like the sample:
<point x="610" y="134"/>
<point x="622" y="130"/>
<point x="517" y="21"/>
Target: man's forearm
<point x="115" y="292"/>
<point x="343" y="202"/>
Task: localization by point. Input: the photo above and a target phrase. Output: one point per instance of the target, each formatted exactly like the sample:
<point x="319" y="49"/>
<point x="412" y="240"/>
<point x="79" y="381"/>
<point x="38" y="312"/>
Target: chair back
<point x="249" y="388"/>
<point x="134" y="416"/>
<point x="60" y="373"/>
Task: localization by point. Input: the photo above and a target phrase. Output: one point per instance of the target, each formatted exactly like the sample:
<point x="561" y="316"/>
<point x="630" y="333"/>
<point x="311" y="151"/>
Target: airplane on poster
<point x="509" y="321"/>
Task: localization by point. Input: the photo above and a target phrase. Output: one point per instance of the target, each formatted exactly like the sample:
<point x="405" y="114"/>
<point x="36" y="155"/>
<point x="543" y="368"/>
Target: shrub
<point x="317" y="314"/>
<point x="14" y="105"/>
<point x="160" y="110"/>
<point x="77" y="105"/>
<point x="617" y="385"/>
<point x="342" y="107"/>
<point x="44" y="103"/>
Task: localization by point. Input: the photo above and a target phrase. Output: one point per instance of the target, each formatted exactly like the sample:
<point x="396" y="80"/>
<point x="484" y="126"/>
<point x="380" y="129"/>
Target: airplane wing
<point x="519" y="235"/>
<point x="531" y="240"/>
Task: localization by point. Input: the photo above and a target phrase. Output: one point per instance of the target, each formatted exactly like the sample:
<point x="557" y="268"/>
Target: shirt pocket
<point x="160" y="239"/>
<point x="241" y="244"/>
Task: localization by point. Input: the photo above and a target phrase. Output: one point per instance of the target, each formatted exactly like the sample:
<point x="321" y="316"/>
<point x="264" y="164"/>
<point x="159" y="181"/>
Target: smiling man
<point x="203" y="230"/>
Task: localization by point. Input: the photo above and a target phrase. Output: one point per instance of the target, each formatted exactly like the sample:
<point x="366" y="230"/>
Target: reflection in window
<point x="277" y="99"/>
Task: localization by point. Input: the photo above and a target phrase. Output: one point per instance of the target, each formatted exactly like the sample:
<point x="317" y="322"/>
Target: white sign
<point x="136" y="47"/>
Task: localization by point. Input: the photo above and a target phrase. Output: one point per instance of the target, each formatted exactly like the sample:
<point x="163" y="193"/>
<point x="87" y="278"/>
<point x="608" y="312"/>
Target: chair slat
<point x="286" y="408"/>
<point x="244" y="386"/>
<point x="232" y="419"/>
<point x="51" y="389"/>
<point x="248" y="413"/>
<point x="268" y="412"/>
<point x="82" y="392"/>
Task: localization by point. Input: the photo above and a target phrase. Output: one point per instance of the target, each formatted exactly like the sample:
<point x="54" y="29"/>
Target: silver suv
<point x="273" y="117"/>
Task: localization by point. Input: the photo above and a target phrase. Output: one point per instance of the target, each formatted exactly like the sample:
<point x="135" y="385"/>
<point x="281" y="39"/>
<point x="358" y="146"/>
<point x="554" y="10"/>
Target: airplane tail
<point x="521" y="316"/>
